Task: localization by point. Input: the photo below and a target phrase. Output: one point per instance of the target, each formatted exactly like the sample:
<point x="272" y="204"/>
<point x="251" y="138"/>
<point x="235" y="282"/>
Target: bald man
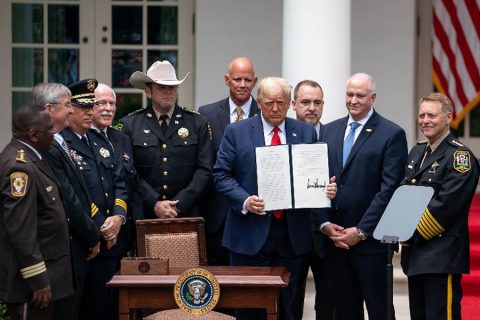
<point x="240" y="79"/>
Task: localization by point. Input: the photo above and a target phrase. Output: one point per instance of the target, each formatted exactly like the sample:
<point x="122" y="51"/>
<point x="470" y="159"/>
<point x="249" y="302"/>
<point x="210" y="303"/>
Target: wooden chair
<point x="182" y="241"/>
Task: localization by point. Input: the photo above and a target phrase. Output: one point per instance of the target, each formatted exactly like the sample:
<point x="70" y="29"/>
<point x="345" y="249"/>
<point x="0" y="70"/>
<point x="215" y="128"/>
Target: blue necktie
<point x="348" y="143"/>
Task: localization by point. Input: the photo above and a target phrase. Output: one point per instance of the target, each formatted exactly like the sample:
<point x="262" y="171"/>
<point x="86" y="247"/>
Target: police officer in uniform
<point x="171" y="146"/>
<point x="35" y="269"/>
<point x="109" y="195"/>
<point x="437" y="255"/>
<point x="120" y="146"/>
<point x="84" y="234"/>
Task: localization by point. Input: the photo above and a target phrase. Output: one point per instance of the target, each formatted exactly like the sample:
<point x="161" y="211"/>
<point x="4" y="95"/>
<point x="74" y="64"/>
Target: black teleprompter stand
<point x="398" y="224"/>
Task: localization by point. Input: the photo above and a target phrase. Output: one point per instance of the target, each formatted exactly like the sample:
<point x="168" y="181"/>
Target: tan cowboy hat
<point x="161" y="72"/>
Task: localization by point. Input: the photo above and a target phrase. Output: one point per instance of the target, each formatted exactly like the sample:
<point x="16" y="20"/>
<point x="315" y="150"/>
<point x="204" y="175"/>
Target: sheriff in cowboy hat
<point x="171" y="146"/>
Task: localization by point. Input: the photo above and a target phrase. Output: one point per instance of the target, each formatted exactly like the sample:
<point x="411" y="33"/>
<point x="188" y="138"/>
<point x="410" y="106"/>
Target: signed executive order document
<point x="293" y="176"/>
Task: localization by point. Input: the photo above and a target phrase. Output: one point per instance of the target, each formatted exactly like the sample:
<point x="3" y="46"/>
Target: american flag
<point x="456" y="53"/>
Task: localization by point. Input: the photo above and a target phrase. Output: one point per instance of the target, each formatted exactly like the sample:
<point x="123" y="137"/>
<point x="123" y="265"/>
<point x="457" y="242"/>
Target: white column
<point x="316" y="46"/>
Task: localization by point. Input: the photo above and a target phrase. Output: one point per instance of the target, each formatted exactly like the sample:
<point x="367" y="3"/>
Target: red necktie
<point x="275" y="142"/>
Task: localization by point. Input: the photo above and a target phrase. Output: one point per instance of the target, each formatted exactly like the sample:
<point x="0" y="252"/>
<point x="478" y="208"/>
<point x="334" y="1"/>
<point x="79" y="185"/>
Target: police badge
<point x="196" y="291"/>
<point x="183" y="132"/>
<point x="104" y="153"/>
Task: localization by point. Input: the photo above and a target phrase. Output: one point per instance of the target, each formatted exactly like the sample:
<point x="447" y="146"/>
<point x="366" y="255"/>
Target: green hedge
<point x="3" y="312"/>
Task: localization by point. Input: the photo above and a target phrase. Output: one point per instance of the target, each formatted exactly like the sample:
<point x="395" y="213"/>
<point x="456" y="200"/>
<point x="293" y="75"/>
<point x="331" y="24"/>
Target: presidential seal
<point x="196" y="291"/>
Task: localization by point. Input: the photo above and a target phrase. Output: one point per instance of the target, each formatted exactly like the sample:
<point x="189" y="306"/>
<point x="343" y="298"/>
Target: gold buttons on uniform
<point x="164" y="159"/>
<point x="108" y="212"/>
<point x="165" y="187"/>
<point x="164" y="146"/>
<point x="414" y="180"/>
<point x="106" y="194"/>
<point x="165" y="173"/>
<point x="144" y="143"/>
<point x="185" y="142"/>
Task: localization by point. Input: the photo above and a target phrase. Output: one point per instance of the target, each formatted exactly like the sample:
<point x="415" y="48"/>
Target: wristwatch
<point x="362" y="236"/>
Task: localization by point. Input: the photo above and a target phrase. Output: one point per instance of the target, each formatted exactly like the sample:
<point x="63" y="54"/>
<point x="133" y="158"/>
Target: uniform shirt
<point x="174" y="166"/>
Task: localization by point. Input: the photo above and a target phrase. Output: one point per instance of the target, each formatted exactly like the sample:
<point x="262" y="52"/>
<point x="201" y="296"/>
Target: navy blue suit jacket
<point x="371" y="174"/>
<point x="235" y="175"/>
<point x="215" y="205"/>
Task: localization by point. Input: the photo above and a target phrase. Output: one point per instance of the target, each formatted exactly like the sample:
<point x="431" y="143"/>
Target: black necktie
<point x="426" y="155"/>
<point x="84" y="140"/>
<point x="105" y="137"/>
<point x="164" y="124"/>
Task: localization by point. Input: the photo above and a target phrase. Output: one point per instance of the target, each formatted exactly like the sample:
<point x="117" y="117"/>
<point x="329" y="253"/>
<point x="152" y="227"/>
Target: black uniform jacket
<point x="75" y="197"/>
<point x="106" y="189"/>
<point x="440" y="243"/>
<point x="34" y="244"/>
<point x="174" y="166"/>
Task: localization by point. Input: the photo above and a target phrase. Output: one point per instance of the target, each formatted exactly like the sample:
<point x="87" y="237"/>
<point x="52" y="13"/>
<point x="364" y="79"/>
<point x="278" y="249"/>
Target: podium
<point x="398" y="224"/>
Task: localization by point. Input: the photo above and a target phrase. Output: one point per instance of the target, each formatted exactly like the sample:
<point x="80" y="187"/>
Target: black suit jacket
<point x="372" y="172"/>
<point x="214" y="206"/>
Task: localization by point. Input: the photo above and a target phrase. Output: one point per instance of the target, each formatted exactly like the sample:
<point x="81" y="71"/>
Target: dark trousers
<point x="277" y="251"/>
<point x="324" y="309"/>
<point x="28" y="311"/>
<point x="358" y="278"/>
<point x="435" y="296"/>
<point x="217" y="254"/>
<point x="98" y="301"/>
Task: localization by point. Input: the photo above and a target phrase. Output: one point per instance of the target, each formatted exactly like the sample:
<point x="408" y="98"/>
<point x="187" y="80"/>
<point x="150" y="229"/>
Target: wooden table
<point x="240" y="287"/>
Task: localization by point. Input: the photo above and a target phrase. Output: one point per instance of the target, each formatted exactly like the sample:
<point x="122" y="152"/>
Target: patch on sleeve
<point x="18" y="183"/>
<point x="461" y="161"/>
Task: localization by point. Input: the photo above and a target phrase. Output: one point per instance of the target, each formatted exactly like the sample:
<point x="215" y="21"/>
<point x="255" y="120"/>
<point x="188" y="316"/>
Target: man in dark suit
<point x="240" y="105"/>
<point x="253" y="236"/>
<point x="308" y="105"/>
<point x="438" y="253"/>
<point x="367" y="154"/>
<point x="84" y="235"/>
<point x="35" y="266"/>
<point x="108" y="192"/>
<point x="172" y="146"/>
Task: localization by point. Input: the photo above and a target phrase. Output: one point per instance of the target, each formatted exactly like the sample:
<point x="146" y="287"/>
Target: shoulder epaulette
<point x="422" y="142"/>
<point x="135" y="112"/>
<point x="189" y="110"/>
<point x="21" y="156"/>
<point x="456" y="143"/>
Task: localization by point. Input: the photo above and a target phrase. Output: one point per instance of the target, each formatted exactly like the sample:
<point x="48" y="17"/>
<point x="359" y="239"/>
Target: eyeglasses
<point x="104" y="103"/>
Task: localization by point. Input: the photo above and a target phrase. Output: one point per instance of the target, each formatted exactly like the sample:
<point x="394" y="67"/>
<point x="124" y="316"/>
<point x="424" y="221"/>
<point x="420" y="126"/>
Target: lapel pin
<point x="294" y="134"/>
<point x="176" y="122"/>
<point x="368" y="130"/>
<point x="146" y="130"/>
<point x="49" y="188"/>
